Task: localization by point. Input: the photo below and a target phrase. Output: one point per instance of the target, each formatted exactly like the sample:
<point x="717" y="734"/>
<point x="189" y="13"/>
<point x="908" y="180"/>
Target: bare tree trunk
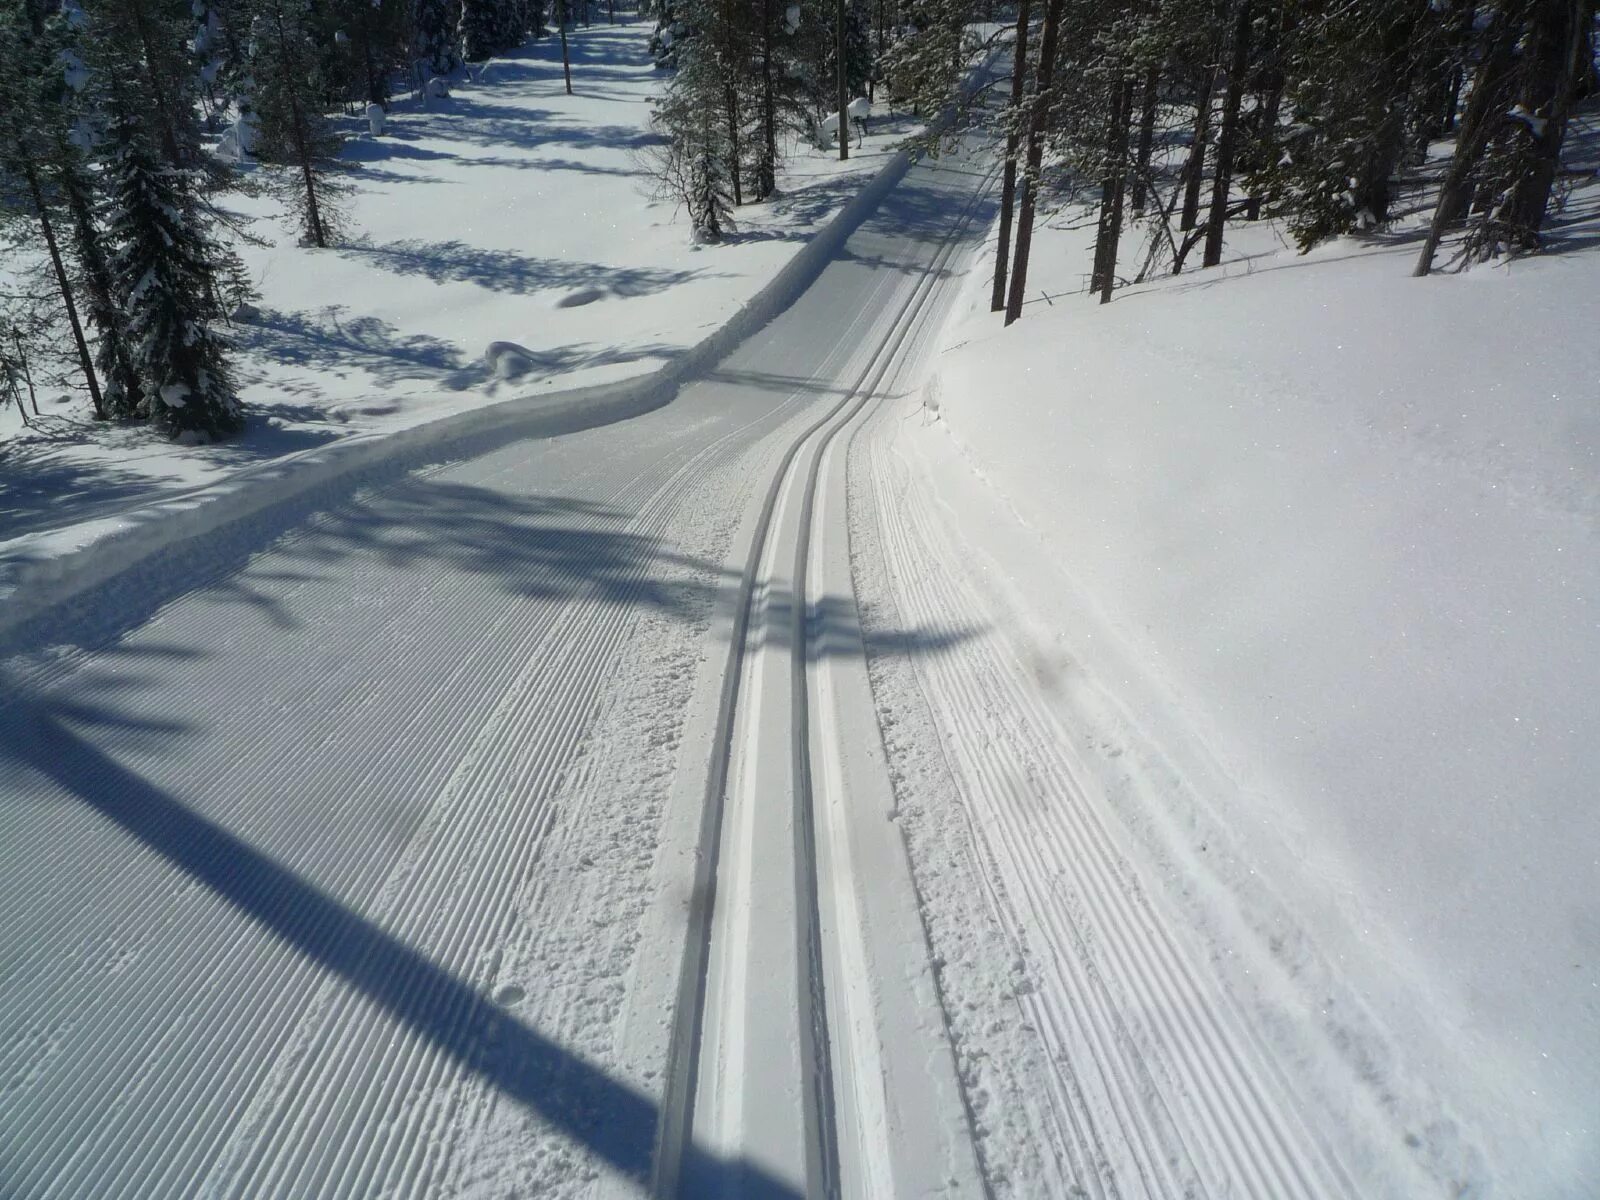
<point x="1558" y="41"/>
<point x="1008" y="186"/>
<point x="158" y="87"/>
<point x="1222" y="178"/>
<point x="566" y="61"/>
<point x="1195" y="166"/>
<point x="1490" y="93"/>
<point x="767" y="166"/>
<point x="844" y="83"/>
<point x="1147" y="137"/>
<point x="1112" y="187"/>
<point x="31" y="173"/>
<point x="730" y="96"/>
<point x="97" y="275"/>
<point x="1037" y="122"/>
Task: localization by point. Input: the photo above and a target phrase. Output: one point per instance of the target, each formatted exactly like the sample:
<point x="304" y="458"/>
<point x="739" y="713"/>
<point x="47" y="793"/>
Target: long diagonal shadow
<point x="566" y="1091"/>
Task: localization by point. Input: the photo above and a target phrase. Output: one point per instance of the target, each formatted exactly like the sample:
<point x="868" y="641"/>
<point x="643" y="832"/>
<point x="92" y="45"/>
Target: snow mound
<point x="507" y="360"/>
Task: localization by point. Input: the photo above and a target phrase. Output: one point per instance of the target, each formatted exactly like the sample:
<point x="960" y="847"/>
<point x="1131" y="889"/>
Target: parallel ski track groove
<point x="1213" y="1064"/>
<point x="684" y="1048"/>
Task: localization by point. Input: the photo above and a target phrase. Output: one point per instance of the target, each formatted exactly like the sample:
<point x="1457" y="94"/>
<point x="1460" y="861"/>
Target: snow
<point x="478" y="218"/>
<point x="1302" y="553"/>
<point x="351" y="842"/>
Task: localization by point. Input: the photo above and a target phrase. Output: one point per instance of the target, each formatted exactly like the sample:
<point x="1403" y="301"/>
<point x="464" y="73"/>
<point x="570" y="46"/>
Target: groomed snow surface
<point x="1283" y="709"/>
<point x="1143" y="752"/>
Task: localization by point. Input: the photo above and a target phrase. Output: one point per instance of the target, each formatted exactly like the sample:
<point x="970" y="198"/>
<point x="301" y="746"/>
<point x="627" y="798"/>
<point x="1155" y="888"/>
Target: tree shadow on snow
<point x="88" y="739"/>
<point x="329" y="340"/>
<point x="54" y="745"/>
<point x="506" y="271"/>
<point x="46" y="483"/>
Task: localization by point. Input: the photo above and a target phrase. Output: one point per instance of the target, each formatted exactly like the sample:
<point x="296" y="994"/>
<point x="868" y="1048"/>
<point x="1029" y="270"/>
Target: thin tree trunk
<point x="97" y="273"/>
<point x="767" y="170"/>
<point x="1008" y="186"/>
<point x="84" y="358"/>
<point x="844" y="83"/>
<point x="1195" y="166"/>
<point x="1551" y="93"/>
<point x="566" y="61"/>
<point x="1227" y="134"/>
<point x="158" y="87"/>
<point x="27" y="373"/>
<point x="1111" y="192"/>
<point x="1030" y="181"/>
<point x="730" y="96"/>
<point x="1487" y="101"/>
<point x="1147" y="137"/>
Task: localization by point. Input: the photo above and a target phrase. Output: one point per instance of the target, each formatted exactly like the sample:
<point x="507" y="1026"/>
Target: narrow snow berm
<point x="808" y="1044"/>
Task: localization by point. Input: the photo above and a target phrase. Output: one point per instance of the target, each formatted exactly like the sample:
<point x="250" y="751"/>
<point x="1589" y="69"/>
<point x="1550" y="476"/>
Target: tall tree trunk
<point x="566" y="61"/>
<point x="1489" y="97"/>
<point x="302" y="139"/>
<point x="158" y="87"/>
<point x="1558" y="40"/>
<point x="767" y="166"/>
<point x="1195" y="166"/>
<point x="42" y="210"/>
<point x="1147" y="137"/>
<point x="1008" y="185"/>
<point x="844" y="82"/>
<point x="1222" y="178"/>
<point x="730" y="105"/>
<point x="1037" y="122"/>
<point x="123" y="380"/>
<point x="1104" y="278"/>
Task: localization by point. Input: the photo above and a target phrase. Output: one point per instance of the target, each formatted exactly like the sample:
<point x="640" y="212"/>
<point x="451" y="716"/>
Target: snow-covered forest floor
<point x="1290" y="586"/>
<point x="508" y="212"/>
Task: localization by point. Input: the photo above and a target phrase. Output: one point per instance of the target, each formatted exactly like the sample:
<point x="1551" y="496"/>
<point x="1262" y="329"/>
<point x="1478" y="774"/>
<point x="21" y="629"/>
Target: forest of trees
<point x="1183" y="116"/>
<point x="1174" y="118"/>
<point x="111" y="179"/>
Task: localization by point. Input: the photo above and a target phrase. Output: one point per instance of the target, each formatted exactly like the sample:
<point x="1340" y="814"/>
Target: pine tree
<point x="163" y="267"/>
<point x="481" y="28"/>
<point x="34" y="146"/>
<point x="699" y="159"/>
<point x="145" y="45"/>
<point x="294" y="132"/>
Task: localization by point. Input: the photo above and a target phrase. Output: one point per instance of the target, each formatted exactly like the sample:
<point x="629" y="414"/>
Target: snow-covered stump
<point x="375" y="119"/>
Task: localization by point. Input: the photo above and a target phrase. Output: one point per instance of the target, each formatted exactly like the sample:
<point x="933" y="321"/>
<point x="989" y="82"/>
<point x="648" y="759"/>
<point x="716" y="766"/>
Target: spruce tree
<point x="163" y="266"/>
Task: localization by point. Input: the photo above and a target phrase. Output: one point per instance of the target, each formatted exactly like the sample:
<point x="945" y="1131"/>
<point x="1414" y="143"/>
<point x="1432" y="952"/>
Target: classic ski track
<point x="158" y="1164"/>
<point x="1174" y="1072"/>
<point x="685" y="1057"/>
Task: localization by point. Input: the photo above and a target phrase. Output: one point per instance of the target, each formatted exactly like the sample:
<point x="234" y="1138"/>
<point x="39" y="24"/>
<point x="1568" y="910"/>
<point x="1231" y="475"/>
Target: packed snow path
<point x="524" y="826"/>
<point x="346" y="865"/>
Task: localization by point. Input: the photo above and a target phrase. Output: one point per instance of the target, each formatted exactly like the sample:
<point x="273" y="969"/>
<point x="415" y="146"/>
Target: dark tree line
<point x="748" y="76"/>
<point x="1190" y="115"/>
